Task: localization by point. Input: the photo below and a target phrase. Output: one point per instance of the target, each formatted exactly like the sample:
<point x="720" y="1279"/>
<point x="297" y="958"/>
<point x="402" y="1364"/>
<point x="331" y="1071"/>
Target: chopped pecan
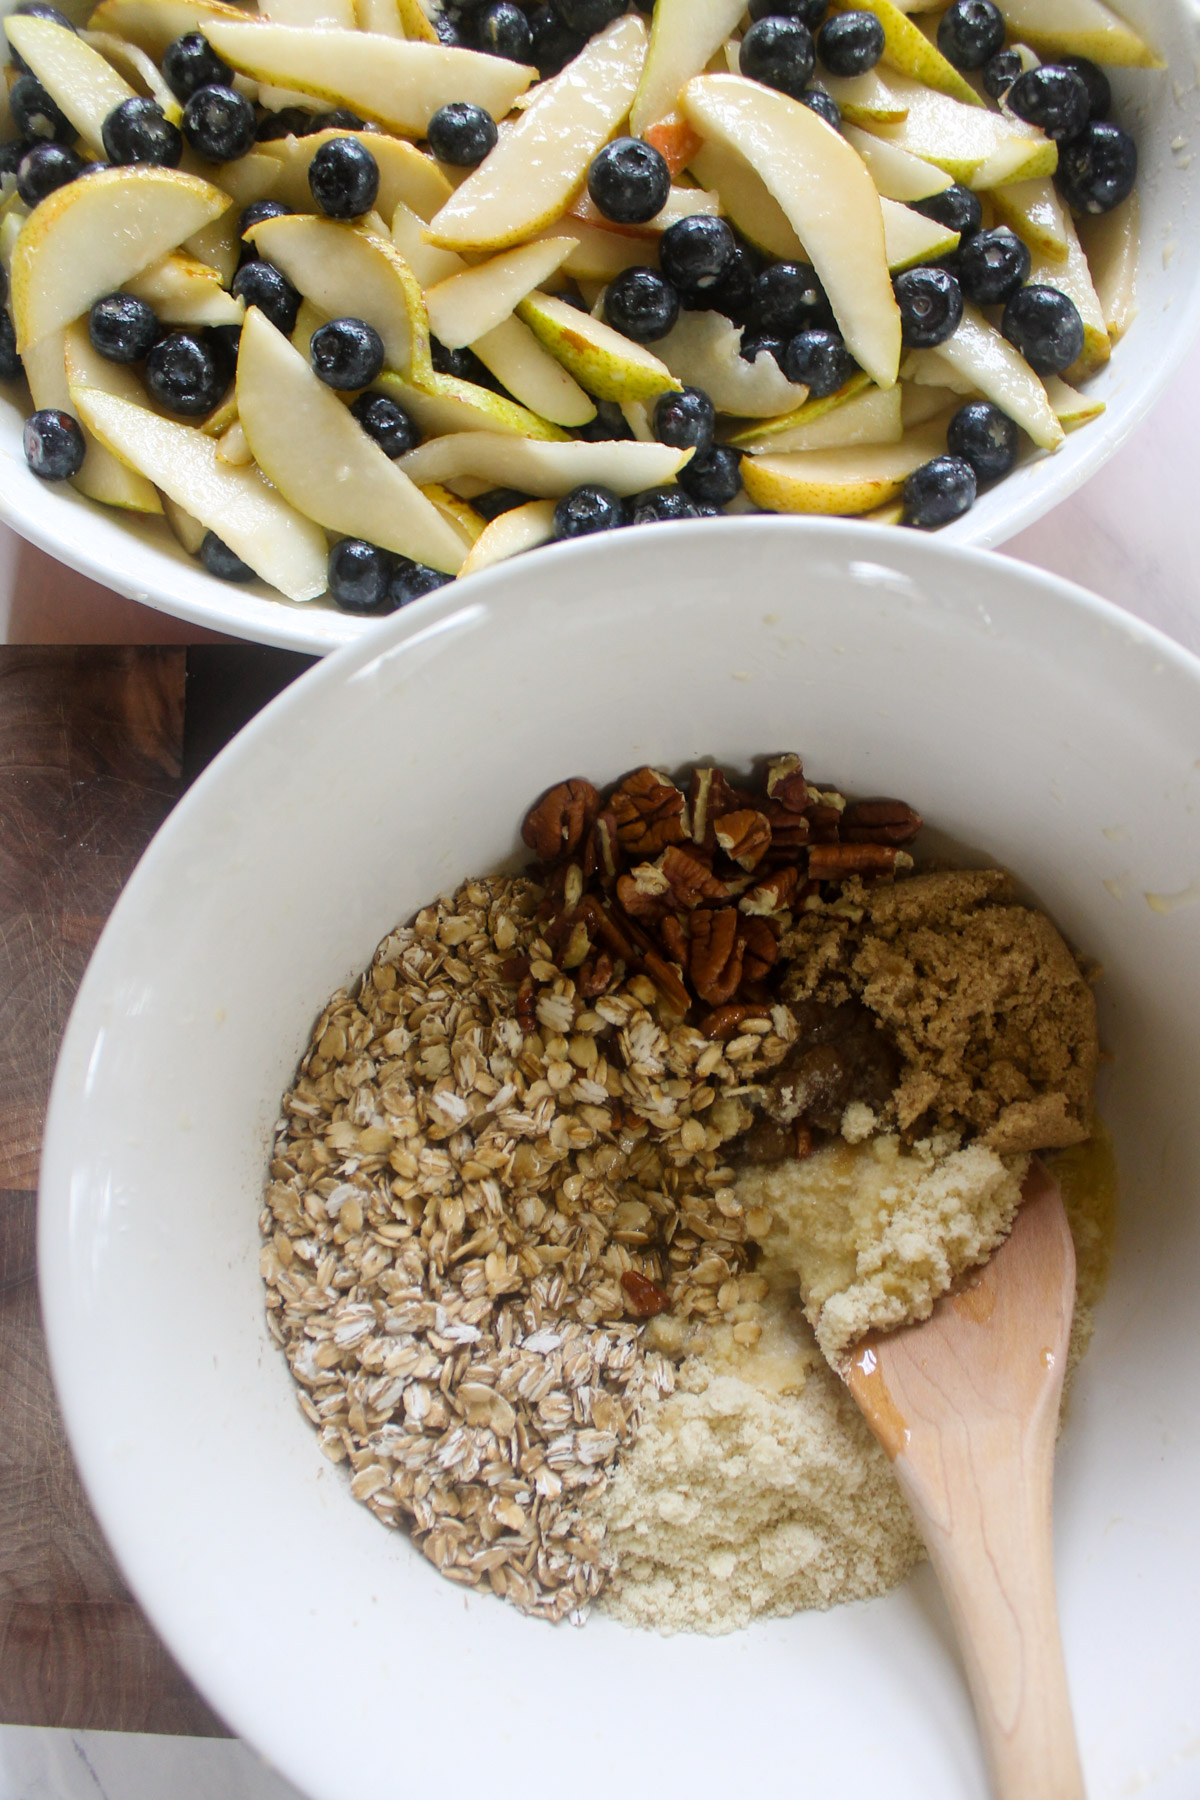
<point x="595" y="975"/>
<point x="710" y="797"/>
<point x="690" y="880"/>
<point x="744" y="836"/>
<point x="833" y="862"/>
<point x="715" y="957"/>
<point x="561" y="820"/>
<point x="726" y="1021"/>
<point x="527" y="1005"/>
<point x="824" y="823"/>
<point x="772" y="894"/>
<point x="760" y="949"/>
<point x="879" y="822"/>
<point x="666" y="980"/>
<point x="645" y="893"/>
<point x="650" y="813"/>
<point x="604" y="927"/>
<point x="786" y="784"/>
<point x="603" y="854"/>
<point x="789" y="830"/>
<point x="674" y="939"/>
<point x="643" y="1297"/>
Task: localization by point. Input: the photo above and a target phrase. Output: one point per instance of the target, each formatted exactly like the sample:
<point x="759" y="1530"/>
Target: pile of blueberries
<point x="547" y="36"/>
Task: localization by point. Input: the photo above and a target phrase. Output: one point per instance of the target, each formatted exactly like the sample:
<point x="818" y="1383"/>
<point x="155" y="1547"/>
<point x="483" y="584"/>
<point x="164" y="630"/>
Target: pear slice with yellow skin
<point x="521" y="528"/>
<point x="1111" y="243"/>
<point x="415" y="23"/>
<point x="347" y="272"/>
<point x="183" y="291"/>
<point x="842" y="482"/>
<point x="393" y="81"/>
<point x="1034" y="211"/>
<point x="896" y="174"/>
<point x="531" y="375"/>
<point x="90" y="237"/>
<point x="49" y="370"/>
<point x="76" y="77"/>
<point x="829" y="198"/>
<point x="541" y="162"/>
<point x="444" y="403"/>
<point x="322" y="461"/>
<point x="763" y="431"/>
<point x="1074" y="279"/>
<point x="979" y="148"/>
<point x="1056" y="28"/>
<point x="382" y="16"/>
<point x="873" y="416"/>
<point x="867" y="100"/>
<point x="406" y="174"/>
<point x="608" y="365"/>
<point x="1071" y="409"/>
<point x="683" y="36"/>
<point x="681" y="203"/>
<point x="138" y="67"/>
<point x="908" y="50"/>
<point x="909" y="237"/>
<point x="468" y="305"/>
<point x="458" y="513"/>
<point x="545" y="470"/>
<point x="704" y="350"/>
<point x="981" y="355"/>
<point x="153" y="24"/>
<point x="280" y="544"/>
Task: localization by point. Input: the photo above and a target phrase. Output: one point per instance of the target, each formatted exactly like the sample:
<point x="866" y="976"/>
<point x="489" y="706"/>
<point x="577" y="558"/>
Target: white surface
<point x="1020" y="716"/>
<point x="144" y="562"/>
<point x="111" y="1765"/>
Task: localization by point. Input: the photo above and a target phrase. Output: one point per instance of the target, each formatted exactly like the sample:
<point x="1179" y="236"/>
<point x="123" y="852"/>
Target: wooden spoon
<point x="966" y="1405"/>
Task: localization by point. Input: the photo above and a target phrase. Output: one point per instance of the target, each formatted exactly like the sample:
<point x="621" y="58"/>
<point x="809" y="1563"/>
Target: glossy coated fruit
<point x="686" y="420"/>
<point x="448" y="33"/>
<point x="221" y="561"/>
<point x="35" y="114"/>
<point x="714" y="478"/>
<point x="53" y="444"/>
<point x="957" y="208"/>
<point x="223" y="341"/>
<point x="787" y="298"/>
<point x="410" y="580"/>
<point x="44" y="168"/>
<point x="1045" y="327"/>
<point x="10" y="363"/>
<point x="1096" y="82"/>
<point x="931" y="304"/>
<point x="1053" y="97"/>
<point x="11" y="154"/>
<point x="289" y="121"/>
<point x="992" y="265"/>
<point x="342" y="118"/>
<point x="503" y="30"/>
<point x="588" y="16"/>
<point x="587" y="509"/>
<point x="809" y="12"/>
<point x="939" y="491"/>
<point x="970" y="32"/>
<point x="820" y="101"/>
<point x="343" y="178"/>
<point x="779" y="53"/>
<point x="1000" y="71"/>
<point x="489" y="506"/>
<point x="122" y="328"/>
<point x="254" y="214"/>
<point x="346" y="353"/>
<point x="641" y="304"/>
<point x="359" y="576"/>
<point x="462" y="363"/>
<point x="389" y="424"/>
<point x="37" y="9"/>
<point x="850" y="43"/>
<point x="554" y="44"/>
<point x="261" y="284"/>
<point x="756" y="343"/>
<point x="462" y="134"/>
<point x="185" y="374"/>
<point x="730" y="293"/>
<point x="191" y="63"/>
<point x="985" y="437"/>
<point x="629" y="181"/>
<point x="1097" y="170"/>
<point x="696" y="252"/>
<point x="218" y="124"/>
<point x="138" y="131"/>
<point x="820" y="360"/>
<point x="658" y="505"/>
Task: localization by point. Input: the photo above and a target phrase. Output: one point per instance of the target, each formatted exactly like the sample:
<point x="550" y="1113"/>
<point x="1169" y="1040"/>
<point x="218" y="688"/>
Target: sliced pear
<point x="828" y="196"/>
<point x="76" y="77"/>
<point x="337" y="15"/>
<point x="92" y="236"/>
<point x="309" y="319"/>
<point x="763" y="430"/>
<point x="279" y="543"/>
<point x="891" y="514"/>
<point x="458" y="513"/>
<point x="919" y="403"/>
<point x="254" y="176"/>
<point x="873" y="416"/>
<point x="684" y="35"/>
<point x="979" y="353"/>
<point x="746" y="200"/>
<point x="47" y="370"/>
<point x="183" y="291"/>
<point x="599" y="255"/>
<point x="896" y="174"/>
<point x="467" y="306"/>
<point x="1034" y="211"/>
<point x="416" y="23"/>
<point x="444" y="403"/>
<point x="349" y="272"/>
<point x="189" y="531"/>
<point x="382" y="16"/>
<point x="393" y="81"/>
<point x="222" y="416"/>
<point x="1073" y="278"/>
<point x="636" y="415"/>
<point x="608" y="365"/>
<point x="531" y="375"/>
<point x="906" y="48"/>
<point x="541" y="162"/>
<point x="1057" y="28"/>
<point x="544" y="469"/>
<point x="1072" y="409"/>
<point x="1111" y="243"/>
<point x="521" y="528"/>
<point x="232" y="446"/>
<point x="219" y="245"/>
<point x="929" y="369"/>
<point x="870" y="99"/>
<point x="704" y="350"/>
<point x="978" y="148"/>
<point x="681" y="203"/>
<point x="406" y="174"/>
<point x="842" y="482"/>
<point x="321" y="459"/>
<point x="428" y="265"/>
<point x="153" y="24"/>
<point x="909" y="237"/>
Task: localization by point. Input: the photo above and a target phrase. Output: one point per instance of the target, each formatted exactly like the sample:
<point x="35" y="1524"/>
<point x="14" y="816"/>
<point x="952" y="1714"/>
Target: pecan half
<point x="643" y="1297"/>
<point x="691" y="882"/>
<point x="666" y="980"/>
<point x="772" y="894"/>
<point x="645" y="893"/>
<point x="726" y="1021"/>
<point x="760" y="950"/>
<point x="789" y="830"/>
<point x="715" y="957"/>
<point x="744" y="836"/>
<point x="832" y="862"/>
<point x="561" y="820"/>
<point x="674" y="939"/>
<point x="649" y="813"/>
<point x="824" y="823"/>
<point x="879" y="822"/>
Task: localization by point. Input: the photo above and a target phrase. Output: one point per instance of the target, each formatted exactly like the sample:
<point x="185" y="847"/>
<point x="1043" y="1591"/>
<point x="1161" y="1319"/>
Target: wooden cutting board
<point x="96" y="746"/>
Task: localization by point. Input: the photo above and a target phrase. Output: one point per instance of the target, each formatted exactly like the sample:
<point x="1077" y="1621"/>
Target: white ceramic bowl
<point x="144" y="561"/>
<point x="1024" y="718"/>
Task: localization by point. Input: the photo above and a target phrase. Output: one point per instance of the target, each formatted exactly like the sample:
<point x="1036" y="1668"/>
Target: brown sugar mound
<point x="993" y="1019"/>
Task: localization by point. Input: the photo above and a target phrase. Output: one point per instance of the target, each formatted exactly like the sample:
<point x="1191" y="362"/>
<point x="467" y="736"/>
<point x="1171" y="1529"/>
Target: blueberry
<point x="359" y="576"/>
<point x="629" y="181"/>
<point x="462" y="134"/>
<point x="658" y="506"/>
<point x="587" y="509"/>
<point x="223" y="342"/>
<point x="11" y="154"/>
<point x="254" y="214"/>
<point x="608" y="427"/>
<point x="185" y="374"/>
<point x="588" y="16"/>
<point x="730" y="293"/>
<point x="850" y="43"/>
<point x="985" y="437"/>
<point x="788" y="298"/>
<point x="969" y="32"/>
<point x="10" y="363"/>
<point x="1097" y="170"/>
<point x="489" y="506"/>
<point x="1000" y="71"/>
<point x="382" y="419"/>
<point x="695" y="252"/>
<point x="931" y="304"/>
<point x="712" y="478"/>
<point x="992" y="265"/>
<point x="122" y="328"/>
<point x="35" y="114"/>
<point x="37" y="9"/>
<point x="44" y="168"/>
<point x="261" y="284"/>
<point x="221" y="561"/>
<point x="1045" y="327"/>
<point x="939" y="491"/>
<point x="554" y="44"/>
<point x="411" y="580"/>
<point x="641" y="304"/>
<point x="289" y="121"/>
<point x="138" y="131"/>
<point x="685" y="420"/>
<point x="191" y="63"/>
<point x="449" y="34"/>
<point x="779" y="53"/>
<point x="503" y="30"/>
<point x="1053" y="98"/>
<point x="1096" y="83"/>
<point x="809" y="12"/>
<point x="820" y="361"/>
<point x="821" y="101"/>
<point x="957" y="208"/>
<point x="346" y="353"/>
<point x="463" y="363"/>
<point x="756" y="343"/>
<point x="343" y="178"/>
<point x="53" y="444"/>
<point x="218" y="124"/>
